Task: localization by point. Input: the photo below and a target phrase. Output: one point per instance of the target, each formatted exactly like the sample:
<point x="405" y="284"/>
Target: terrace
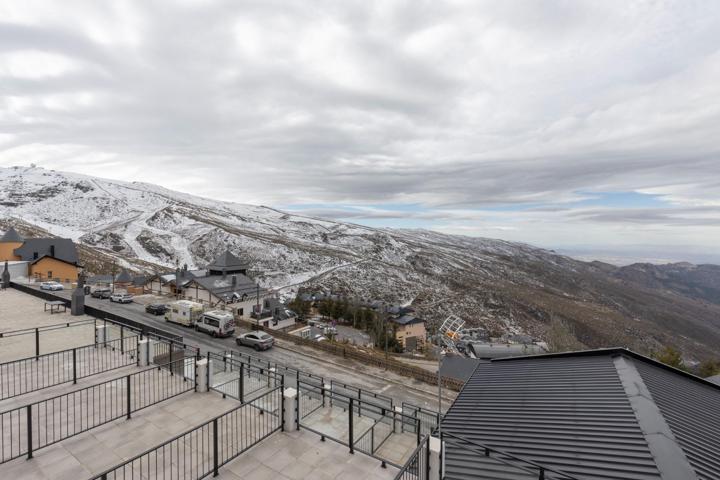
<point x="97" y="399"/>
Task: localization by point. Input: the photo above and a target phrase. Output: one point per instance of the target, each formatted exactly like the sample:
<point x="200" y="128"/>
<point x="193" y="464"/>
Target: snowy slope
<point x="501" y="285"/>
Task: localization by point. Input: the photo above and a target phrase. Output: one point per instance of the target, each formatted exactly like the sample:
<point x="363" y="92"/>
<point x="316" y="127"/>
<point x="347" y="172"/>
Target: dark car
<point x="101" y="293"/>
<point x="156" y="308"/>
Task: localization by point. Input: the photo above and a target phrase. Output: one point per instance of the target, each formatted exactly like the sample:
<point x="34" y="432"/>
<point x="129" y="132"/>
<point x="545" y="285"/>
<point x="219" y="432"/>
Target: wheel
<point x="214" y="334"/>
<point x="256" y="347"/>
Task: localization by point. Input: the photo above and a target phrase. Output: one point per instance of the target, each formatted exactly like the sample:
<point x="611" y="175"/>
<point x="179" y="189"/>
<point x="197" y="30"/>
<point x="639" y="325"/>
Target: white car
<point x="51" y="286"/>
<point x="121" y="298"/>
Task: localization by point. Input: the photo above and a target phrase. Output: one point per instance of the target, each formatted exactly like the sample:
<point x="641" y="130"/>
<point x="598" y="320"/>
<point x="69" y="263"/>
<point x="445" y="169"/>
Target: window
<point x="49" y="273"/>
<point x="252" y="337"/>
<point x="35" y="255"/>
<point x="212" y="322"/>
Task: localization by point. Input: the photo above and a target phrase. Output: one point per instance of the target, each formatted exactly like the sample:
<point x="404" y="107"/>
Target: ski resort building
<point x="223" y="282"/>
<point x="47" y="258"/>
<point x="410" y="331"/>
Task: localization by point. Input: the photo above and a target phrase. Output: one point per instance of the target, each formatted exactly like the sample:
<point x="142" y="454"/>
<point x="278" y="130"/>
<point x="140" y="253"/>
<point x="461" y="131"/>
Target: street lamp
<point x="257" y="308"/>
<point x="441" y="354"/>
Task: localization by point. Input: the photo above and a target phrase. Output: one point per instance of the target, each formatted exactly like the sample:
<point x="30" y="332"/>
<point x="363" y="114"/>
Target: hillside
<point x="501" y="285"/>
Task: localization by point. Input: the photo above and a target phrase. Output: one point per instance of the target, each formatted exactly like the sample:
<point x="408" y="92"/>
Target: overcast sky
<point x="560" y="123"/>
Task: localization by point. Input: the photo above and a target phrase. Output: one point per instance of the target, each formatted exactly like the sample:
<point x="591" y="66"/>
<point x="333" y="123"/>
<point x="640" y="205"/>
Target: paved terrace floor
<point x="101" y="448"/>
<point x="301" y="455"/>
<point x="19" y="311"/>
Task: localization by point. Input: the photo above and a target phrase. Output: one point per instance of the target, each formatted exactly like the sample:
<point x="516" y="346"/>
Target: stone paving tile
<point x="298" y="455"/>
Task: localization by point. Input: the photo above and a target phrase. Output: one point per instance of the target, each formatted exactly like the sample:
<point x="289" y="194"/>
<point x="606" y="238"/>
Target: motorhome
<point x="218" y="323"/>
<point x="184" y="312"/>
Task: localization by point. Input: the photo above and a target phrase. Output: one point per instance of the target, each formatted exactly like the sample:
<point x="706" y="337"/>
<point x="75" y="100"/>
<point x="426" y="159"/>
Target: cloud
<point x="459" y="107"/>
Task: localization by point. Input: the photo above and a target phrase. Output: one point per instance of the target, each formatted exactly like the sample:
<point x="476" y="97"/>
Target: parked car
<point x="51" y="286"/>
<point x="101" y="293"/>
<point x="217" y="323"/>
<point x="258" y="340"/>
<point x="156" y="308"/>
<point x="121" y="298"/>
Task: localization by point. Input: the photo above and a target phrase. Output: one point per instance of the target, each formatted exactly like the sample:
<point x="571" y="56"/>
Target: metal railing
<point x="27" y="375"/>
<point x="26" y="429"/>
<point x="429" y="419"/>
<point x="521" y="465"/>
<point x="366" y="428"/>
<point x="417" y="467"/>
<point x="237" y="379"/>
<point x="201" y="451"/>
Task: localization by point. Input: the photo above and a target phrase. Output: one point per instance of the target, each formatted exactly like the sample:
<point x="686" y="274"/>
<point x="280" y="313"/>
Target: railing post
<point x="122" y="340"/>
<point x="417" y="430"/>
<point x="297" y="407"/>
<point x="127" y="391"/>
<point x="350" y="425"/>
<point x="427" y="456"/>
<point x="282" y="404"/>
<point x="171" y="352"/>
<point x="74" y="366"/>
<point x="241" y="384"/>
<point x="541" y="476"/>
<point x="215" y="447"/>
<point x="37" y="343"/>
<point x="29" y="432"/>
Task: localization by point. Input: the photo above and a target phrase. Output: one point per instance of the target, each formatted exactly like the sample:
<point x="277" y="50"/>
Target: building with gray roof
<point x="34" y="249"/>
<point x="227" y="263"/>
<point x="600" y="414"/>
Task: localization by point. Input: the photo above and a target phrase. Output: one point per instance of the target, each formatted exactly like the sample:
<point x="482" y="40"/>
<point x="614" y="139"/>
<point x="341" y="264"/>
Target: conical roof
<point x="12" y="236"/>
<point x="228" y="261"/>
<point x="124" y="277"/>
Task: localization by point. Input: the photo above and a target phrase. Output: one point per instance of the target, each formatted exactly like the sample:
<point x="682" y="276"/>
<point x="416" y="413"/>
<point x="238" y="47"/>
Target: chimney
<point x="234" y="281"/>
<point x="52" y="250"/>
<point x="224" y="273"/>
<point x="184" y="268"/>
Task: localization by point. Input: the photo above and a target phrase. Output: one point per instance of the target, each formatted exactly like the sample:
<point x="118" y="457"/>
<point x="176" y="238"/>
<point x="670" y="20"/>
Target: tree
<point x="708" y="368"/>
<point x="671" y="356"/>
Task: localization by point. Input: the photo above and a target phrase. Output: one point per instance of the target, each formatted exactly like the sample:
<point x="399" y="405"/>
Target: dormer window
<point x="35" y="255"/>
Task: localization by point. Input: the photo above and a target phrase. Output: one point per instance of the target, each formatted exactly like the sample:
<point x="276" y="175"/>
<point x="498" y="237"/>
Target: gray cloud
<point x="452" y="106"/>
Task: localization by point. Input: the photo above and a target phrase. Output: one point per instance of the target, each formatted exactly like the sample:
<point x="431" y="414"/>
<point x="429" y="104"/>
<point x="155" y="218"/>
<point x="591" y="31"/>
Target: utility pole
<point x="441" y="352"/>
<point x="113" y="276"/>
<point x="385" y="317"/>
<point x="257" y="308"/>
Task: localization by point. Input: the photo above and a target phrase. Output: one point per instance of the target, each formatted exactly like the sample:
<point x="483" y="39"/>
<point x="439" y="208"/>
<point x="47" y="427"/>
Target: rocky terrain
<point x="501" y="285"/>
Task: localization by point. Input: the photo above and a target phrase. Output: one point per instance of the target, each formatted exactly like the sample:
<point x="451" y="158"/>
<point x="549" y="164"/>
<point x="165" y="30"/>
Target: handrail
<point x="486" y="450"/>
<point x="55" y="326"/>
<point x="213" y="421"/>
<point x="415" y="458"/>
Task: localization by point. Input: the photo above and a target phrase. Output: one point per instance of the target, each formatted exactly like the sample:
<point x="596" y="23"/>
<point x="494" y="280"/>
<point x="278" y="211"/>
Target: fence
<point x="429" y="420"/>
<point x="201" y="451"/>
<point x="35" y="373"/>
<point x="26" y="429"/>
<point x="100" y="314"/>
<point x="232" y="377"/>
<point x="366" y="358"/>
<point x="359" y="424"/>
<point x="417" y="466"/>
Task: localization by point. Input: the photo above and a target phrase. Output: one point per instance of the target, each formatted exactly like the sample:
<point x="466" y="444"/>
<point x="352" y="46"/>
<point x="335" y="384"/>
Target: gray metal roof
<point x="124" y="277"/>
<point x="500" y="350"/>
<point x="406" y="320"/>
<point x="11" y="236"/>
<point x="608" y="414"/>
<point x="219" y="285"/>
<point x="65" y="249"/>
<point x="714" y="379"/>
<point x="459" y="367"/>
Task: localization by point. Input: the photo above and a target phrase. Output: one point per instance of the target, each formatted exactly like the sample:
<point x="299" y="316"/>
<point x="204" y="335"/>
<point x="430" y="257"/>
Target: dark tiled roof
<point x="11" y="236"/>
<point x="64" y="249"/>
<point x="220" y="286"/>
<point x="124" y="277"/>
<point x="406" y="320"/>
<point x="605" y="414"/>
<point x="227" y="261"/>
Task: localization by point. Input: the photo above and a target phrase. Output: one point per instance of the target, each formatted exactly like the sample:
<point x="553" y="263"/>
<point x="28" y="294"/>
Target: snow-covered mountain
<point x="502" y="285"/>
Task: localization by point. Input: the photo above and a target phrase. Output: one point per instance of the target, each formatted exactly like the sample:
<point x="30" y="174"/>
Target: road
<point x="307" y="359"/>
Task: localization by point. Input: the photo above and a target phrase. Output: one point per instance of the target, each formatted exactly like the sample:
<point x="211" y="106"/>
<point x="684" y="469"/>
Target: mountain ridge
<point x="503" y="286"/>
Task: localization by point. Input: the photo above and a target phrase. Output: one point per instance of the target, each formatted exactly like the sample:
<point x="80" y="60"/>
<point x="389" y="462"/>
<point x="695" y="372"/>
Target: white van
<point x="217" y="323"/>
<point x="184" y="312"/>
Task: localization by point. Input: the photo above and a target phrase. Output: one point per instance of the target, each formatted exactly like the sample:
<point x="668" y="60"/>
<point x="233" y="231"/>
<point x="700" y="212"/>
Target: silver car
<point x="258" y="340"/>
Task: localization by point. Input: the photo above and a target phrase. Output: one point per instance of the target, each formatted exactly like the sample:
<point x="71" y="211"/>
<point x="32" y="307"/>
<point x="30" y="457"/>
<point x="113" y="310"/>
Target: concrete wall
<point x="18" y="270"/>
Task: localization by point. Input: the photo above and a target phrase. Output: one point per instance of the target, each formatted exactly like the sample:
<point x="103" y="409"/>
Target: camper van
<point x="217" y="323"/>
<point x="184" y="312"/>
